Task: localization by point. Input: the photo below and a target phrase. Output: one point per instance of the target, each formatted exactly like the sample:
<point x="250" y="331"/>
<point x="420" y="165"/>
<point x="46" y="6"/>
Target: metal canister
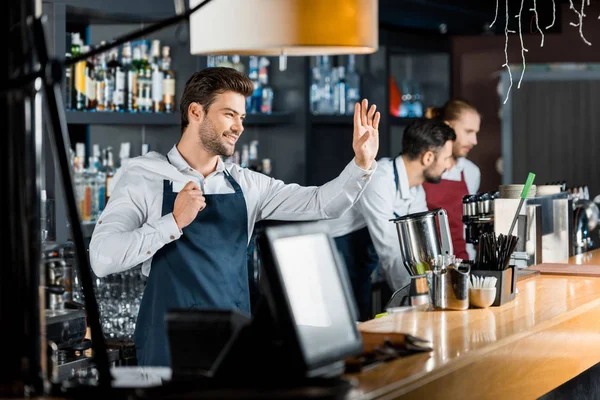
<point x="469" y="205"/>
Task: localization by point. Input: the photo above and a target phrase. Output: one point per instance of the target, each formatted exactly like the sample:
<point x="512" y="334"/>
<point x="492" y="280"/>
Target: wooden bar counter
<point x="523" y="349"/>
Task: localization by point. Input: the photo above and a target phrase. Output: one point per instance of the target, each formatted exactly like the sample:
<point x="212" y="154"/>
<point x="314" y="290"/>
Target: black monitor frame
<point x="279" y="303"/>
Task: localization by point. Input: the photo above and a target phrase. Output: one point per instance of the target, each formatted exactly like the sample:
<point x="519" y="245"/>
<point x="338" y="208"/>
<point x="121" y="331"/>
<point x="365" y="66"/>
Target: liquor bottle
<point x="90" y="81"/>
<point x="131" y="78"/>
<point x="69" y="72"/>
<point x="91" y="191"/>
<point x="100" y="79"/>
<point x="79" y="76"/>
<point x="340" y="89"/>
<point x="115" y="83"/>
<point x="253" y="156"/>
<point x="352" y="85"/>
<point x="79" y="178"/>
<point x="168" y="81"/>
<point x="244" y="161"/>
<point x="110" y="172"/>
<point x="157" y="78"/>
<point x="254" y="100"/>
<point x="266" y="101"/>
<point x="100" y="182"/>
<point x="266" y="166"/>
<point x="237" y="64"/>
<point x="144" y="80"/>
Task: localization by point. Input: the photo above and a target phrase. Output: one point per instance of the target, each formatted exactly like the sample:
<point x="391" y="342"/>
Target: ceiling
<point x="460" y="17"/>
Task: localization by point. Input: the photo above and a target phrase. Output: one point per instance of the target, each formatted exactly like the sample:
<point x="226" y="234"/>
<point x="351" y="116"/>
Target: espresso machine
<point x="478" y="215"/>
<point x="67" y="335"/>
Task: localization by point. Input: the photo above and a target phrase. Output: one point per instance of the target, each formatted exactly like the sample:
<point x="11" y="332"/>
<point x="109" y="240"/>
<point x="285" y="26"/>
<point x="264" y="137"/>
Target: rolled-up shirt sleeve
<point x="293" y="202"/>
<point x="124" y="235"/>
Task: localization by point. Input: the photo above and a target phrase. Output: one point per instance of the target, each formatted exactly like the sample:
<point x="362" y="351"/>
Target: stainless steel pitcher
<point x="420" y="242"/>
<point x="449" y="287"/>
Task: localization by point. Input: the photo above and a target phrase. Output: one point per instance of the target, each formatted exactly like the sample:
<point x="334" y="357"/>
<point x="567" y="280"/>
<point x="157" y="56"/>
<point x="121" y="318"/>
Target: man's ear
<point x="449" y="124"/>
<point x="427" y="158"/>
<point x="196" y="112"/>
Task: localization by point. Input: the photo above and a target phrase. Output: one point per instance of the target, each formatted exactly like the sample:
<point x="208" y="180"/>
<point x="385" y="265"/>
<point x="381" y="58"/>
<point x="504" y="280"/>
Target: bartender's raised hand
<point x="188" y="203"/>
<point x="365" y="141"/>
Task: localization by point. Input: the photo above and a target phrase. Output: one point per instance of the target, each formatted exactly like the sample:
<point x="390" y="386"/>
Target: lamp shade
<point x="290" y="27"/>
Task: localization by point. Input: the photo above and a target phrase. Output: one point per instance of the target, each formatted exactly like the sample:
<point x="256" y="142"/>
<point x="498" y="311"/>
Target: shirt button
<point x="148" y="252"/>
<point x="366" y="176"/>
<point x="99" y="222"/>
<point x="172" y="237"/>
<point x="190" y="170"/>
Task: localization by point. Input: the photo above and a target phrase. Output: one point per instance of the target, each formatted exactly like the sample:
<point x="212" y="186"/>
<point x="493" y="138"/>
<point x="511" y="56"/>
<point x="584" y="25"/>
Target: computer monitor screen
<point x="317" y="291"/>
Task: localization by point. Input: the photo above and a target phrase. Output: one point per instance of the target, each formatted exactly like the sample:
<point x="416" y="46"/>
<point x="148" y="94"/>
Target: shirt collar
<point x="177" y="160"/>
<point x="460" y="164"/>
<point x="403" y="185"/>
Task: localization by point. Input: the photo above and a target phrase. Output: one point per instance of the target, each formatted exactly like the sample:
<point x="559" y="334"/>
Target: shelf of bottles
<point x="333" y="90"/>
<point x="135" y="78"/>
<point x="406" y="100"/>
<point x="261" y="99"/>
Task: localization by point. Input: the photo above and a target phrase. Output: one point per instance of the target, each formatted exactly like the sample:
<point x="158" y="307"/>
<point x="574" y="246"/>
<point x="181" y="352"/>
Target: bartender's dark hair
<point x="425" y="135"/>
<point x="451" y="110"/>
<point x="203" y="86"/>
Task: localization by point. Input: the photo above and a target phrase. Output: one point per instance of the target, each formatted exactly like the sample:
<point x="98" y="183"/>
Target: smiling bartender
<point x="463" y="177"/>
<point x="187" y="217"/>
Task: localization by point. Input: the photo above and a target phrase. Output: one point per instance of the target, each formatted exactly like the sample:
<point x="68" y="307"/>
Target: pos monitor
<point x="305" y="322"/>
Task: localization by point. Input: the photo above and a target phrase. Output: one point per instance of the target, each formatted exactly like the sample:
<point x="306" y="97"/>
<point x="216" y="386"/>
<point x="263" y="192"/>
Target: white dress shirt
<point x="131" y="228"/>
<point x="472" y="179"/>
<point x="472" y="174"/>
<point x="377" y="205"/>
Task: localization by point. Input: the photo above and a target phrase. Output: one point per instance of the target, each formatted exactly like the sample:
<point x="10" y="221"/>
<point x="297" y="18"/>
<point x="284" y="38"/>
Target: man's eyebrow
<point x="232" y="110"/>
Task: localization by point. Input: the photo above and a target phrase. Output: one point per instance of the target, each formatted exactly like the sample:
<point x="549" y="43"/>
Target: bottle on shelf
<point x="325" y="86"/>
<point x="237" y="64"/>
<point x="266" y="166"/>
<point x="340" y="91"/>
<point x="100" y="80"/>
<point x="144" y="81"/>
<point x="130" y="78"/>
<point x="79" y="72"/>
<point x="254" y="100"/>
<point x="100" y="181"/>
<point x="91" y="191"/>
<point x="352" y="85"/>
<point x="266" y="101"/>
<point x="244" y="162"/>
<point x="109" y="171"/>
<point x="157" y="78"/>
<point x="168" y="81"/>
<point x="253" y="156"/>
<point x="116" y="83"/>
<point x="90" y="82"/>
<point x="315" y="91"/>
<point x="69" y="88"/>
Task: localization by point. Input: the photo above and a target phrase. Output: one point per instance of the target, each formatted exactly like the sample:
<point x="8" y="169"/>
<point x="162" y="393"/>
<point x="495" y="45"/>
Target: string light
<point x="537" y="21"/>
<point x="553" y="15"/>
<point x="506" y="52"/>
<point x="580" y="24"/>
<point x="523" y="49"/>
<point x="580" y="15"/>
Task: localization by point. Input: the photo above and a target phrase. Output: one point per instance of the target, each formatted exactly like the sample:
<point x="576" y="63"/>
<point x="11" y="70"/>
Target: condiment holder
<point x="482" y="291"/>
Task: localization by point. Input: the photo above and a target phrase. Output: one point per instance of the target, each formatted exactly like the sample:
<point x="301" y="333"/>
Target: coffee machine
<point x="478" y="215"/>
<point x="69" y="347"/>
